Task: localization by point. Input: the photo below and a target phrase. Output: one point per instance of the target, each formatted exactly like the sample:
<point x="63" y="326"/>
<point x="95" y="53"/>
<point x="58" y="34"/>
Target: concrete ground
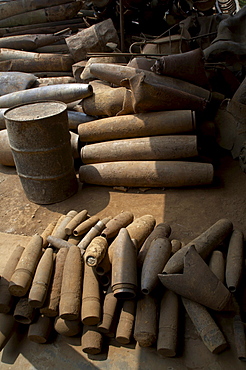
<point x="189" y="212"/>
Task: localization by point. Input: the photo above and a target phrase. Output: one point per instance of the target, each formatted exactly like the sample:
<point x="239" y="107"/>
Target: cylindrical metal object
<point x="137" y="125"/>
<point x="137" y="149"/>
<point x="22" y="277"/>
<point x="75" y="221"/>
<point x="58" y="243"/>
<point x="204" y="244"/>
<point x="68" y="328"/>
<point x="40" y="142"/>
<point x="6" y="155"/>
<point x="41" y="280"/>
<point x="93" y="232"/>
<point x="40" y="330"/>
<point x="124" y="266"/>
<point x="235" y="260"/>
<point x="145" y="329"/>
<point x="91" y="300"/>
<point x="70" y="301"/>
<point x="95" y="251"/>
<point x="77" y="118"/>
<point x="59" y="230"/>
<point x="23" y="312"/>
<point x="109" y="308"/>
<point x="51" y="306"/>
<point x="239" y="337"/>
<point x="140" y="229"/>
<point x="85" y="226"/>
<point x="47" y="231"/>
<point x="91" y="340"/>
<point x="7" y="327"/>
<point x="6" y="299"/>
<point x="176" y="245"/>
<point x="115" y="224"/>
<point x="217" y="265"/>
<point x="126" y="322"/>
<point x="104" y="266"/>
<point x="147" y="173"/>
<point x="168" y="325"/>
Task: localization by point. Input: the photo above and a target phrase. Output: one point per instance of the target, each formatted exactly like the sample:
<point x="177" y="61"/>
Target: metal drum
<point x="40" y="141"/>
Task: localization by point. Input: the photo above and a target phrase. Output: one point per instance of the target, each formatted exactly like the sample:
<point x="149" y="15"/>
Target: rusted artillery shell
<point x="60" y="230"/>
<point x="235" y="260"/>
<point x="95" y="251"/>
<point x="239" y="337"/>
<point x="176" y="245"/>
<point x="109" y="307"/>
<point x="58" y="243"/>
<point x="126" y="322"/>
<point x="115" y="74"/>
<point x="168" y="325"/>
<point x="23" y="312"/>
<point x="93" y="232"/>
<point x="68" y="328"/>
<point x="6" y="299"/>
<point x="78" y="118"/>
<point x="137" y="125"/>
<point x="124" y="266"/>
<point x="40" y="330"/>
<point x="6" y="155"/>
<point x="154" y="262"/>
<point x="145" y="329"/>
<point x="51" y="306"/>
<point x="212" y="293"/>
<point x="115" y="224"/>
<point x="47" y="231"/>
<point x="217" y="265"/>
<point x="91" y="300"/>
<point x="162" y="230"/>
<point x="147" y="173"/>
<point x="42" y="140"/>
<point x="22" y="277"/>
<point x="91" y="340"/>
<point x="67" y="94"/>
<point x="140" y="229"/>
<point x="7" y="328"/>
<point x="75" y="221"/>
<point x="85" y="226"/>
<point x="70" y="301"/>
<point x="209" y="332"/>
<point x="104" y="266"/>
<point x="205" y="243"/>
<point x="145" y="148"/>
<point x="41" y="280"/>
<point x="93" y="38"/>
<point x="15" y="81"/>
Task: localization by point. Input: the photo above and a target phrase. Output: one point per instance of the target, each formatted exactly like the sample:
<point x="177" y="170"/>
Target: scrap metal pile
<point x="125" y="278"/>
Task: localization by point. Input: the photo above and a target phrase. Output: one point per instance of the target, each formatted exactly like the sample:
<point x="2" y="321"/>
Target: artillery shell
<point x="93" y="232"/>
<point x="70" y="301"/>
<point x="235" y="260"/>
<point x="85" y="226"/>
<point x="147" y="173"/>
<point x="40" y="330"/>
<point x="91" y="300"/>
<point x="7" y="328"/>
<point x="115" y="224"/>
<point x="51" y="306"/>
<point x="140" y="229"/>
<point x="60" y="232"/>
<point x="126" y="322"/>
<point x="109" y="307"/>
<point x="22" y="277"/>
<point x="75" y="221"/>
<point x="145" y="329"/>
<point x="91" y="341"/>
<point x="154" y="262"/>
<point x="58" y="222"/>
<point x="160" y="231"/>
<point x="206" y="327"/>
<point x="124" y="266"/>
<point x="217" y="265"/>
<point x="77" y="118"/>
<point x="6" y="299"/>
<point x="176" y="245"/>
<point x="23" y="312"/>
<point x="47" y="232"/>
<point x="58" y="243"/>
<point x="104" y="266"/>
<point x="168" y="325"/>
<point x="68" y="328"/>
<point x="41" y="279"/>
<point x="95" y="251"/>
<point x="205" y="243"/>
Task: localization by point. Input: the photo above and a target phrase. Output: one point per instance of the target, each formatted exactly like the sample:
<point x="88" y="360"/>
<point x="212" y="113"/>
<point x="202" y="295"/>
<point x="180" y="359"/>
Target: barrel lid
<point x="35" y="110"/>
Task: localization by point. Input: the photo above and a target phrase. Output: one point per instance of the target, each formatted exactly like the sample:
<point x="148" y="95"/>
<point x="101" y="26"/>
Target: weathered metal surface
<point x="239" y="337"/>
<point x="75" y="119"/>
<point x="40" y="330"/>
<point x="95" y="251"/>
<point x="29" y="42"/>
<point x="217" y="265"/>
<point x="68" y="328"/>
<point x="125" y="325"/>
<point x="115" y="224"/>
<point x="92" y="233"/>
<point x="86" y="76"/>
<point x="235" y="260"/>
<point x="171" y="44"/>
<point x="108" y="311"/>
<point x="42" y="150"/>
<point x="147" y="173"/>
<point x="91" y="299"/>
<point x="205" y="243"/>
<point x="141" y="228"/>
<point x="92" y="340"/>
<point x="15" y="81"/>
<point x="212" y="293"/>
<point x="75" y="221"/>
<point x="85" y="225"/>
<point x="147" y="148"/>
<point x="23" y="312"/>
<point x="44" y="81"/>
<point x="137" y="125"/>
<point x="60" y="228"/>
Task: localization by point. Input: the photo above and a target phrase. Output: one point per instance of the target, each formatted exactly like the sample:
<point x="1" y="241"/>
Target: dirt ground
<point x="189" y="211"/>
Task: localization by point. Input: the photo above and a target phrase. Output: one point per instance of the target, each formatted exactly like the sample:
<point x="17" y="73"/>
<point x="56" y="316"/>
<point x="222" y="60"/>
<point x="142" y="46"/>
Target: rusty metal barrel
<point x="40" y="142"/>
